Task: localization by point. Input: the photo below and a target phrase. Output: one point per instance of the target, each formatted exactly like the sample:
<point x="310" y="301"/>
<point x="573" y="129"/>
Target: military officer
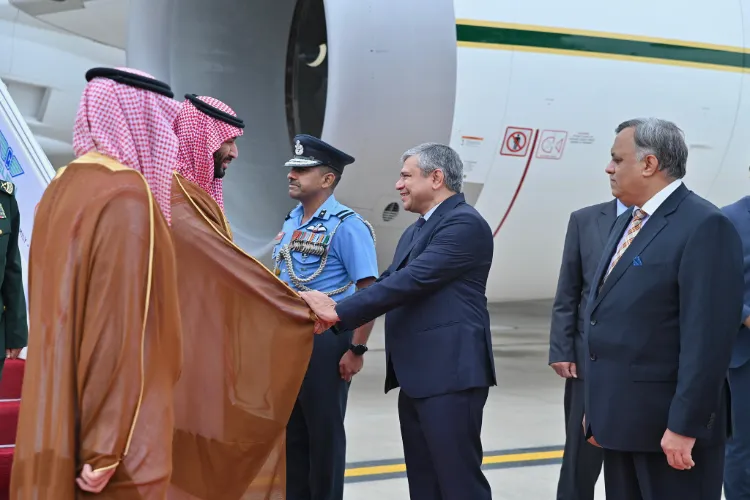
<point x="14" y="329"/>
<point x="325" y="246"/>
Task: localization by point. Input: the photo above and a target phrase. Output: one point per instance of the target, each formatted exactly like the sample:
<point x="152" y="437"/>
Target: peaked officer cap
<point x="310" y="151"/>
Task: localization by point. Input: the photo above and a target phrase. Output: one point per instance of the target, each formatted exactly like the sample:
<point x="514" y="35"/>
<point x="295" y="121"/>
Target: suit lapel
<point x="654" y="225"/>
<point x="406" y="243"/>
<point x="448" y="205"/>
<point x="609" y="250"/>
<point x="607" y="217"/>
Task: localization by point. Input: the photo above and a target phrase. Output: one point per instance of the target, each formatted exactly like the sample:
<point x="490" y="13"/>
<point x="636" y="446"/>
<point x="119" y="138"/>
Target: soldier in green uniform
<point x="14" y="329"/>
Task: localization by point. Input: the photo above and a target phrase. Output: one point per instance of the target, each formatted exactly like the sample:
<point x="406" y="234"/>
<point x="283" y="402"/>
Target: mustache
<point x="225" y="158"/>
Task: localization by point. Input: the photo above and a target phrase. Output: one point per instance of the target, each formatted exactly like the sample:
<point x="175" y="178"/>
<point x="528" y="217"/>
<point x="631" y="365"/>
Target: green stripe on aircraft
<point x="600" y="45"/>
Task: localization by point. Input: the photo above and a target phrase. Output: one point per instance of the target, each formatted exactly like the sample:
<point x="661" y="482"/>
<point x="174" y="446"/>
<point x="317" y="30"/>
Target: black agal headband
<point x="213" y="112"/>
<point x="131" y="79"/>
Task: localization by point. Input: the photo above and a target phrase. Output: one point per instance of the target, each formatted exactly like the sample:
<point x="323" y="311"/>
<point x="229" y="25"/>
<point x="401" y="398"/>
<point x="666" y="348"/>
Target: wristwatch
<point x="358" y="349"/>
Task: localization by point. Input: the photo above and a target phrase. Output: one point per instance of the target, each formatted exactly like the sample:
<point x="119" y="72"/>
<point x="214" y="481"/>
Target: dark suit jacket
<point x="739" y="214"/>
<point x="437" y="327"/>
<point x="661" y="329"/>
<point x="588" y="232"/>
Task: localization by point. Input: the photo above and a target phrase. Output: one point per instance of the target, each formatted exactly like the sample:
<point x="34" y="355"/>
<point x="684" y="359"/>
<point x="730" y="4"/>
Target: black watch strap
<point x="358" y="349"/>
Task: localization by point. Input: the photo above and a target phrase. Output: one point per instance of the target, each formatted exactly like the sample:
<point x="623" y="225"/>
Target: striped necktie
<point x="635" y="225"/>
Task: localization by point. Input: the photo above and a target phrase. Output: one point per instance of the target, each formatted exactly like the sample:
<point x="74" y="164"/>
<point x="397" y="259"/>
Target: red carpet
<point x="8" y="421"/>
<point x="10" y="393"/>
<point x="6" y="460"/>
<point x="10" y="385"/>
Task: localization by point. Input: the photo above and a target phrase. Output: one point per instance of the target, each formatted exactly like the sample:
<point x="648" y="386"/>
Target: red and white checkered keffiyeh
<point x="200" y="136"/>
<point x="133" y="126"/>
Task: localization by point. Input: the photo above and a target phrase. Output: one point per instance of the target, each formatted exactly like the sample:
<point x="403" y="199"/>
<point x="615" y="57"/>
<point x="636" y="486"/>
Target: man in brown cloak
<point x="247" y="336"/>
<point x="105" y="343"/>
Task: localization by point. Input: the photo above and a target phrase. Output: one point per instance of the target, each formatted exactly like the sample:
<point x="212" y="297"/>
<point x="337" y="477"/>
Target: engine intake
<point x="371" y="77"/>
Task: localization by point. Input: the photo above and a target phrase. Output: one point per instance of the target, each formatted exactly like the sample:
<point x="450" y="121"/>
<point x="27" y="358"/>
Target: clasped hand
<point x="12" y="353"/>
<point x="324" y="308"/>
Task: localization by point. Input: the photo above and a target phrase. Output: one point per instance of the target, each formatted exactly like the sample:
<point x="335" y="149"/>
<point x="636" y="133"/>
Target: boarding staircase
<point x="10" y="404"/>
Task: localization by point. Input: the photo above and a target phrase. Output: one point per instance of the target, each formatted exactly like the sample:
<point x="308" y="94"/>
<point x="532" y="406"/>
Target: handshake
<point x="324" y="308"/>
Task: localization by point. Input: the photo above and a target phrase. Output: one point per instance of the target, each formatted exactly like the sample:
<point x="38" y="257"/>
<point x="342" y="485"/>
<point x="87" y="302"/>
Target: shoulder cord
<point x="285" y="254"/>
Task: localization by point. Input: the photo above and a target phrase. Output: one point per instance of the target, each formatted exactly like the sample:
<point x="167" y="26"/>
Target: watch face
<point x="359" y="349"/>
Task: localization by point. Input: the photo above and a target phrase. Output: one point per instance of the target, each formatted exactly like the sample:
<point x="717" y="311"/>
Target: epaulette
<point x="7" y="187"/>
<point x="345" y="214"/>
<point x="288" y="216"/>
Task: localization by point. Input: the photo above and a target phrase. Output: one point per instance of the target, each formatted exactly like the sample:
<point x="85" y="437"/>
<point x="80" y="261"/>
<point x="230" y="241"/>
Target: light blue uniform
<point x="338" y="235"/>
<point x="329" y="253"/>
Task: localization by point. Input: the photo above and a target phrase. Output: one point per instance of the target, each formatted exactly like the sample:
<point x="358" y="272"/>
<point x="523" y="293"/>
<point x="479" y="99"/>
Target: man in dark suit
<point x="588" y="232"/>
<point x="437" y="328"/>
<point x="737" y="467"/>
<point x="660" y="326"/>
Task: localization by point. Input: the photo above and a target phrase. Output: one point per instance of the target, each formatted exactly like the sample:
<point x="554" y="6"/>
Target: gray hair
<point x="660" y="138"/>
<point x="432" y="156"/>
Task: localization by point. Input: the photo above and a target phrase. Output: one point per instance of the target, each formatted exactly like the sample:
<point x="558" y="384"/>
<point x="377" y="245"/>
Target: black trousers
<point x="582" y="461"/>
<point x="648" y="476"/>
<point x="443" y="446"/>
<point x="316" y="439"/>
<point x="737" y="456"/>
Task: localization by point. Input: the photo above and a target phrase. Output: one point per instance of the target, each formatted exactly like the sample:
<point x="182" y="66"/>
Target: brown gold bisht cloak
<point x="247" y="343"/>
<point x="104" y="346"/>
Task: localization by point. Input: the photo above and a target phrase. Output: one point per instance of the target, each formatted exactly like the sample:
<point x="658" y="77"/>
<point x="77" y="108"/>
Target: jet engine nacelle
<point x="373" y="78"/>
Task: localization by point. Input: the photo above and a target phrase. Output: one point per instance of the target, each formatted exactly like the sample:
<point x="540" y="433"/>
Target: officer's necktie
<point x="635" y="226"/>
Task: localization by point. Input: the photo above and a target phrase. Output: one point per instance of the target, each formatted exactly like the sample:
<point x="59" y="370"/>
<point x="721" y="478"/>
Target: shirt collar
<point x="655" y="202"/>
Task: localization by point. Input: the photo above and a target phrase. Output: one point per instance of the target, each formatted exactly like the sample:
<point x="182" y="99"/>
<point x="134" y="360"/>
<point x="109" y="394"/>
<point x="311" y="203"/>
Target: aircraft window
<point x="307" y="69"/>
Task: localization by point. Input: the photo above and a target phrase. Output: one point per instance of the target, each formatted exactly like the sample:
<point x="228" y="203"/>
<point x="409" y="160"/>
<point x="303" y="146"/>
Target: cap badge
<point x="298" y="149"/>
